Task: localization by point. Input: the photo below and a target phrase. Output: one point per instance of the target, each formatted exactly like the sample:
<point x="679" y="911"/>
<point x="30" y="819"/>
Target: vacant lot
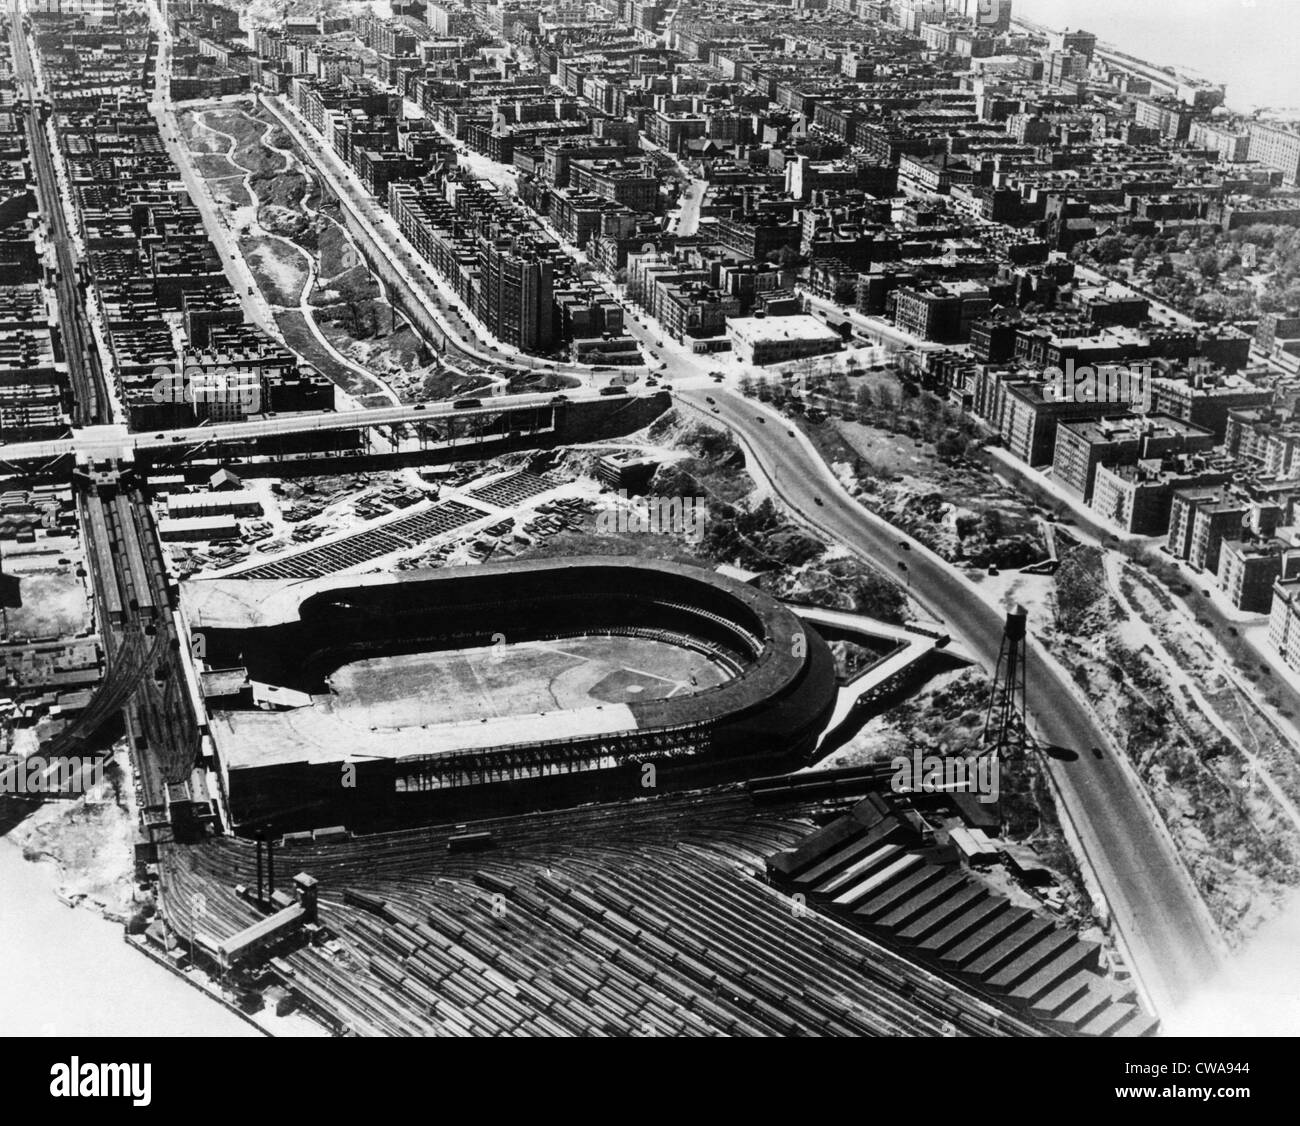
<point x="53" y="605"/>
<point x="281" y="271"/>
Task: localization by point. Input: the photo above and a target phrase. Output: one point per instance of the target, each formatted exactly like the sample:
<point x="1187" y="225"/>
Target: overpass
<point x="531" y="411"/>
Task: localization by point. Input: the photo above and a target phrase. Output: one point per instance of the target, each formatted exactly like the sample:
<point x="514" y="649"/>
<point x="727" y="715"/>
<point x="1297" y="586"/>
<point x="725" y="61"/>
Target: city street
<point x="1165" y="926"/>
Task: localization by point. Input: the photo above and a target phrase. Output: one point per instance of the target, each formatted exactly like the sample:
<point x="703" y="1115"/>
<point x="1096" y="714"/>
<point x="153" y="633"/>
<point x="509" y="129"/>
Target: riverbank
<point x="1250" y="47"/>
<point x="68" y="972"/>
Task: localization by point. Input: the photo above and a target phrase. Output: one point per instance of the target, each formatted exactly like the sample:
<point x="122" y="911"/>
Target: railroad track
<point x="89" y="392"/>
<point x="681" y="937"/>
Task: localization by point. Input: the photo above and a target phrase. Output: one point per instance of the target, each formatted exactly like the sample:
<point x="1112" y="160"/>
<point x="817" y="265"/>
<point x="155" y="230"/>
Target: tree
<point x="1109" y="251"/>
<point x="991" y="524"/>
<point x="950" y="446"/>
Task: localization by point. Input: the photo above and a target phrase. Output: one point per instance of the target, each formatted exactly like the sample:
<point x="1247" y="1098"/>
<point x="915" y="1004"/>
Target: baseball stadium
<point x="379" y="699"/>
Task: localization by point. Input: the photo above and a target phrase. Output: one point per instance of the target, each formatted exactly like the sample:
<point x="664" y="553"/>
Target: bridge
<point x="527" y="412"/>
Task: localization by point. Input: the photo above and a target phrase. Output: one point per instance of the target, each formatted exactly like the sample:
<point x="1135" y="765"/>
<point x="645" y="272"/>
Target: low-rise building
<point x="772" y="340"/>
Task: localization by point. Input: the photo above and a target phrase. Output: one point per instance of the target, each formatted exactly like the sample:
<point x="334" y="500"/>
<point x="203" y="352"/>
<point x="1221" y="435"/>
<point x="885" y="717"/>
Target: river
<point x="68" y="973"/>
<point x="1251" y="45"/>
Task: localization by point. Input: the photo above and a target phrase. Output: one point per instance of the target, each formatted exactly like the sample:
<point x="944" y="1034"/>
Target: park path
<point x="293" y="162"/>
<point x="311" y="275"/>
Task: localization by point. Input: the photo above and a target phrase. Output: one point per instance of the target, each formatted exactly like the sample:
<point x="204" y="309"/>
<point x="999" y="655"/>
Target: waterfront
<point x="1250" y="45"/>
<point x="69" y="973"/>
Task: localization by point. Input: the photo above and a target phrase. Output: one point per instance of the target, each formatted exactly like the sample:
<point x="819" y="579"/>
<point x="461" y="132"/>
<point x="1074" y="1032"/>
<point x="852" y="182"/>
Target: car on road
<point x="791" y="433"/>
<point x="160" y="436"/>
<point x="819" y="502"/>
<point x="760" y="418"/>
<point x="1096" y="753"/>
<point x="715" y="410"/>
<point x="710" y="399"/>
<point x="420" y="406"/>
<point x="904" y="545"/>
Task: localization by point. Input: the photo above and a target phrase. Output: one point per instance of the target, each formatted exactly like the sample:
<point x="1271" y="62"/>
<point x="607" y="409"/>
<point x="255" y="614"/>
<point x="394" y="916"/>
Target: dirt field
<point x="501" y="680"/>
<point x="54" y="605"/>
<point x="280" y="270"/>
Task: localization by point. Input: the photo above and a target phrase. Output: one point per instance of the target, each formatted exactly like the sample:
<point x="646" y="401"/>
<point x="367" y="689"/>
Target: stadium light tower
<point x="1005" y="729"/>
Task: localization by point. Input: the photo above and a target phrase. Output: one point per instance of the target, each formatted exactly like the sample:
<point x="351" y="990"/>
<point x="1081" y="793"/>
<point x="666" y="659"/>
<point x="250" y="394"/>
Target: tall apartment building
<point x="515" y="294"/>
<point x="1284" y="620"/>
<point x="1206" y="401"/>
<point x="987" y="15"/>
<point x="1084" y="445"/>
<point x="1276" y="146"/>
<point x="1199" y="521"/>
<point x="1227" y="142"/>
<point x="627" y="182"/>
<point x="1248" y="570"/>
<point x="940" y="312"/>
<point x="1026" y="413"/>
<point x="1138" y="498"/>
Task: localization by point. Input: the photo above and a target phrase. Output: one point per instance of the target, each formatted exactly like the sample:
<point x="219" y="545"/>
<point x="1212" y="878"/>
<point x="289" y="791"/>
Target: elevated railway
<point x="90" y="403"/>
<point x="134" y="597"/>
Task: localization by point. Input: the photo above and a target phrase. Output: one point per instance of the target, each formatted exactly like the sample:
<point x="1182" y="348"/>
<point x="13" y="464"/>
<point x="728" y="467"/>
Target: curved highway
<point x="1162" y="920"/>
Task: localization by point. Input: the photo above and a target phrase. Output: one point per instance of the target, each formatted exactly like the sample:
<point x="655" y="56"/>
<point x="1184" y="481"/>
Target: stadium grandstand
<point x="499" y="687"/>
